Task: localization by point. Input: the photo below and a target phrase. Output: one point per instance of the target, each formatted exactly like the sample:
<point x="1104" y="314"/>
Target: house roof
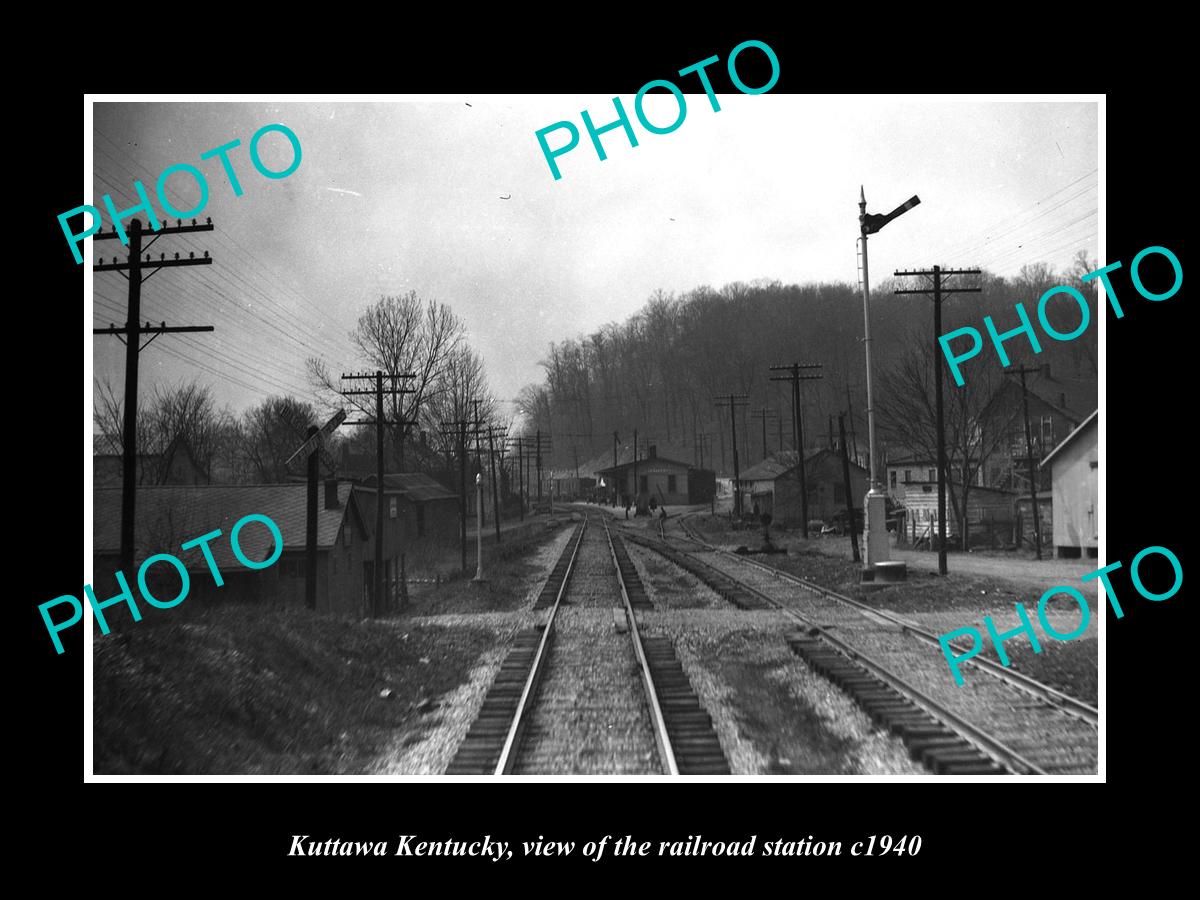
<point x="772" y="467"/>
<point x="664" y="451"/>
<point x="170" y="515"/>
<point x="1086" y="423"/>
<point x="782" y="462"/>
<point x="416" y="486"/>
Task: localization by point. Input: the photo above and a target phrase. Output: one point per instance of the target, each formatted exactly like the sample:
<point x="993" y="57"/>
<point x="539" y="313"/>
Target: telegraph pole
<point x="764" y="413"/>
<point x="133" y="332"/>
<point x="850" y="416"/>
<point x="614" y="478"/>
<point x="795" y="378"/>
<point x="734" y="400"/>
<point x="875" y="507"/>
<point x="938" y="290"/>
<point x="495" y="486"/>
<point x="377" y="604"/>
<point x="637" y="490"/>
<point x="459" y="431"/>
<point x="852" y="524"/>
<point x="1037" y="518"/>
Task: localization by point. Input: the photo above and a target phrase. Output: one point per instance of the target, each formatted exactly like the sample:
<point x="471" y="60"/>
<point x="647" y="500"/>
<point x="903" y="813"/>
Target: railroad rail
<point x="520" y="729"/>
<point x="1071" y="705"/>
<point x="936" y="735"/>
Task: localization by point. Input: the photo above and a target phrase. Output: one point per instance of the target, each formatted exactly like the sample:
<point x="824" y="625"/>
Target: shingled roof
<point x="168" y="516"/>
<point x="416" y="486"/>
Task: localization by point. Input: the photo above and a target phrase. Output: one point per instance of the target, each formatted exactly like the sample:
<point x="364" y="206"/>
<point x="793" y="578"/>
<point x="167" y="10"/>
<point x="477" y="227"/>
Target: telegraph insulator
<point x="177" y="255"/>
<point x="162" y="256"/>
<point x="147" y="257"/>
<point x="179" y="223"/>
<point x="192" y="254"/>
<point x="206" y="254"/>
<point x="193" y="223"/>
<point x="208" y="221"/>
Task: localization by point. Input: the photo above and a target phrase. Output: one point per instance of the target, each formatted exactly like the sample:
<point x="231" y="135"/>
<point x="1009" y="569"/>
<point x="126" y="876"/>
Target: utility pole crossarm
<point x="177" y="228"/>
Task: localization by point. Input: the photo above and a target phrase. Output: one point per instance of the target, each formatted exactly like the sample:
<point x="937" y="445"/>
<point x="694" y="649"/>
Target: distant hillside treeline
<point x="660" y="370"/>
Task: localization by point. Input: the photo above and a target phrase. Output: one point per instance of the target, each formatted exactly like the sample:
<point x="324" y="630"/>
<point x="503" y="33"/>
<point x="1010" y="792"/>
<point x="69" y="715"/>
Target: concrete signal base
<point x="882" y="574"/>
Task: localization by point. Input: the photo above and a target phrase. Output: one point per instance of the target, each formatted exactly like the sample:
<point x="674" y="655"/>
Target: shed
<point x="1074" y="468"/>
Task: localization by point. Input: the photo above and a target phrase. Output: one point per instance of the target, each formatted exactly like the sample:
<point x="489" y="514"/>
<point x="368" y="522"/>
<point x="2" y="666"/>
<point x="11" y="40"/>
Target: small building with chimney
<point x="171" y="515"/>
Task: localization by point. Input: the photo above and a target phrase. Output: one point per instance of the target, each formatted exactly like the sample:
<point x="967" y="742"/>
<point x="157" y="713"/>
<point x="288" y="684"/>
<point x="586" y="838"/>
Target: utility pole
<point x="637" y="488"/>
<point x="616" y="438"/>
<point x="520" y="477"/>
<point x="850" y="416"/>
<point x="492" y="469"/>
<point x="795" y="378"/>
<point x="938" y="290"/>
<point x="875" y="507"/>
<point x="462" y="476"/>
<point x="1037" y="517"/>
<point x="478" y="528"/>
<point x="734" y="400"/>
<point x="310" y="525"/>
<point x="132" y="338"/>
<point x="377" y="590"/>
<point x="779" y="423"/>
<point x="311" y="448"/>
<point x="764" y="413"/>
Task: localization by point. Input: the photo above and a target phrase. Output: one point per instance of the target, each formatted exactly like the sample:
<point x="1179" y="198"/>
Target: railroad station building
<point x="668" y="481"/>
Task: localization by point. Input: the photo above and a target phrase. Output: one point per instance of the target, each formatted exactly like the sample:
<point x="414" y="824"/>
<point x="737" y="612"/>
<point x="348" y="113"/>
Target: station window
<point x="670" y="484"/>
<point x="645" y="482"/>
<point x="893" y="474"/>
<point x="933" y="474"/>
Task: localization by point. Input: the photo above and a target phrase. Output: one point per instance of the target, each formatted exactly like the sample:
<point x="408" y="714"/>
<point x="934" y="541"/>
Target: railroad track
<point x="585" y="692"/>
<point x="1006" y="722"/>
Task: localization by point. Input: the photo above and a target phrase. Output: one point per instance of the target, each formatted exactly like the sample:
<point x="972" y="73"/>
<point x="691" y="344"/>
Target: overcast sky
<point x="398" y="196"/>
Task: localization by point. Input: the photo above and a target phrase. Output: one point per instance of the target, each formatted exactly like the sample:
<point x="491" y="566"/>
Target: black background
<point x="972" y="833"/>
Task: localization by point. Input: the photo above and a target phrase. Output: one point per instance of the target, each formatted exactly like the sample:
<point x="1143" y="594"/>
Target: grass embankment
<point x="506" y="567"/>
<point x="1070" y="666"/>
<point x="268" y="689"/>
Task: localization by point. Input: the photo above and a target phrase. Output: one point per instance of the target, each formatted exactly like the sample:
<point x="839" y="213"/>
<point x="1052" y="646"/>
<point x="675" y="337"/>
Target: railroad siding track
<point x="727" y="588"/>
<point x="1024" y="725"/>
<point x="929" y="741"/>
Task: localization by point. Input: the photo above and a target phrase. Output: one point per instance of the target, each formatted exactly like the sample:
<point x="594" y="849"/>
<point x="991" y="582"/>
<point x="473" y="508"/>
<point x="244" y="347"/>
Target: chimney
<point x="653" y="452"/>
<point x="331" y="494"/>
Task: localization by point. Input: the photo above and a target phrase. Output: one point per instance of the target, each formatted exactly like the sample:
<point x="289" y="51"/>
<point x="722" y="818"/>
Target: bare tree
<point x="271" y="432"/>
<point x="400" y="335"/>
<point x="171" y="417"/>
<point x="908" y="417"/>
